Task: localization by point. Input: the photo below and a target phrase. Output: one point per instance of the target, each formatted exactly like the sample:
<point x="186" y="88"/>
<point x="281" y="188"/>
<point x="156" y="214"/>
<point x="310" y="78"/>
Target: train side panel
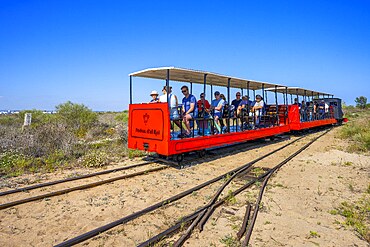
<point x="296" y="124"/>
<point x="200" y="143"/>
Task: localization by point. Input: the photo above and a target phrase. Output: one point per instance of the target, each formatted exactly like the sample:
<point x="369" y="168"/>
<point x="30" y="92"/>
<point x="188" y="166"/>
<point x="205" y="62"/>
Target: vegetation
<point x="229" y="240"/>
<point x="230" y="198"/>
<point x="357" y="130"/>
<point x="361" y="102"/>
<point x="313" y="234"/>
<point x="76" y="117"/>
<point x="357" y="216"/>
<point x="74" y="136"/>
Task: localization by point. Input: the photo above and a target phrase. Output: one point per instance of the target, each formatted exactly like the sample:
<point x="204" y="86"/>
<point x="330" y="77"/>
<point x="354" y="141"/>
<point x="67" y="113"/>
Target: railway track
<point x="200" y="216"/>
<point x="242" y="147"/>
<point x="80" y="187"/>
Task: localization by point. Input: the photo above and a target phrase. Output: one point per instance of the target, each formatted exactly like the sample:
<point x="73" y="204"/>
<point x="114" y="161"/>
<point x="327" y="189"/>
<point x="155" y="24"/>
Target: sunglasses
<point x="202" y="96"/>
<point x="238" y="95"/>
<point x="184" y="91"/>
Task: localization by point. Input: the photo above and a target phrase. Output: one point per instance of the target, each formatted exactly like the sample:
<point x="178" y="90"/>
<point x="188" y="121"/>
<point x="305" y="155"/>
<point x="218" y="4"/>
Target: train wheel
<point x="179" y="158"/>
<point x="202" y="153"/>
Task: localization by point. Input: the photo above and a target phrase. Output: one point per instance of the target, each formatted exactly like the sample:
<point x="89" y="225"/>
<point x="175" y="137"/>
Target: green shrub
<point x="77" y="117"/>
<point x="13" y="163"/>
<point x="122" y="133"/>
<point x="38" y="117"/>
<point x="10" y="120"/>
<point x="357" y="216"/>
<point x="229" y="240"/>
<point x="122" y="117"/>
<point x="52" y="141"/>
<point x="95" y="159"/>
<point x="135" y="153"/>
<point x="358" y="131"/>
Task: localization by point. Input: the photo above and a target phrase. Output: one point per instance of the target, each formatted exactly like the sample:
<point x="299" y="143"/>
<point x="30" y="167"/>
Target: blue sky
<point x="83" y="50"/>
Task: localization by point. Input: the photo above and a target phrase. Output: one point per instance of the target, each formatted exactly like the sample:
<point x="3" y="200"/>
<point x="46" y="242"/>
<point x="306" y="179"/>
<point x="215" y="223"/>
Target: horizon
<point x="82" y="51"/>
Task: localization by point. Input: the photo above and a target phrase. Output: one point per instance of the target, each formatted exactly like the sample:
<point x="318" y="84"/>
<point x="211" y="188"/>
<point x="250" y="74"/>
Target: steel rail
<point x="81" y="187"/>
<point x="192" y="216"/>
<point x="153" y="207"/>
<point x="217" y="194"/>
<point x="255" y="211"/>
<point x="266" y="178"/>
<point x="243" y="228"/>
<point x="196" y="214"/>
<point x="202" y="218"/>
<point x="36" y="186"/>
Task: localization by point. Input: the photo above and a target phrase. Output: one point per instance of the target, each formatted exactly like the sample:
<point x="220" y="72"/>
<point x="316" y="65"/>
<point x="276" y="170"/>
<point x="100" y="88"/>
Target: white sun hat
<point x="154" y="93"/>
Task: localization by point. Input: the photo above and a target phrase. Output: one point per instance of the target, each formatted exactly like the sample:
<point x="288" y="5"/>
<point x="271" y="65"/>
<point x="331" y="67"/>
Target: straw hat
<point x="154" y="93"/>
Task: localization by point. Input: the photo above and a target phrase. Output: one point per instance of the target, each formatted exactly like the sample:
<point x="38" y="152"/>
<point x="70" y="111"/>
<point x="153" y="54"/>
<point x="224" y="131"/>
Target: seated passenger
<point x="174" y="114"/>
<point x="225" y="113"/>
<point x="326" y="110"/>
<point x="321" y="109"/>
<point x="315" y="110"/>
<point x="217" y="105"/>
<point x="257" y="109"/>
<point x="154" y="95"/>
<point x="189" y="109"/>
<point x="203" y="112"/>
<point x="244" y="104"/>
<point x="309" y="111"/>
<point x="303" y="111"/>
<point x="236" y="103"/>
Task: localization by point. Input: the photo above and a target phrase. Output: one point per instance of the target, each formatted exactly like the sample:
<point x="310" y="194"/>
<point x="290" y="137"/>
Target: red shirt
<point x="200" y="104"/>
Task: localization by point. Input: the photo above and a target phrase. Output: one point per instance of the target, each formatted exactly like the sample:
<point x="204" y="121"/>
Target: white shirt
<point x="261" y="103"/>
<point x="163" y="98"/>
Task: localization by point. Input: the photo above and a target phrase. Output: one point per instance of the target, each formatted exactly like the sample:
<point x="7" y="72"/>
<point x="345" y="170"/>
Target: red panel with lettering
<point x="147" y="123"/>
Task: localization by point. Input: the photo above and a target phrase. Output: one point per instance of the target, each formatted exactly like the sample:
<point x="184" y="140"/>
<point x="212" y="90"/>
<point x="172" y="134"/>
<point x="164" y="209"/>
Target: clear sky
<point x="83" y="50"/>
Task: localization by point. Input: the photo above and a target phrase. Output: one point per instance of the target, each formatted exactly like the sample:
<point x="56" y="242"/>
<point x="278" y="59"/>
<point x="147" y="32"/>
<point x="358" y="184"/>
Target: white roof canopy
<point x="298" y="91"/>
<point x="196" y="76"/>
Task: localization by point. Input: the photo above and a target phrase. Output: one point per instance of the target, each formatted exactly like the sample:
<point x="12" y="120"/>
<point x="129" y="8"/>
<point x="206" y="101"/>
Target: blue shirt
<point x="236" y="102"/>
<point x="245" y="102"/>
<point x="216" y="103"/>
<point x="186" y="103"/>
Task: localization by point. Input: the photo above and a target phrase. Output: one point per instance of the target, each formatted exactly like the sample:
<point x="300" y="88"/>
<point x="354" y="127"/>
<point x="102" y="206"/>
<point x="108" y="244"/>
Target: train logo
<point x="146" y="118"/>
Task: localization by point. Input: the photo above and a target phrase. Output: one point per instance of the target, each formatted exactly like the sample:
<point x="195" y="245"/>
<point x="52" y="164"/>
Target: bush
<point x="77" y="117"/>
<point x="358" y="130"/>
<point x="122" y="133"/>
<point x="357" y="216"/>
<point x="95" y="159"/>
<point x="44" y="140"/>
<point x="10" y="120"/>
<point x="361" y="102"/>
<point x="38" y="117"/>
<point x="53" y="141"/>
<point x="13" y="163"/>
<point x="122" y="117"/>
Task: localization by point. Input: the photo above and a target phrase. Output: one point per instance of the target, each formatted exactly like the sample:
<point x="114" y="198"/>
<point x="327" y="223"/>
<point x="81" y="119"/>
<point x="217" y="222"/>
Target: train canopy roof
<point x="197" y="76"/>
<point x="298" y="91"/>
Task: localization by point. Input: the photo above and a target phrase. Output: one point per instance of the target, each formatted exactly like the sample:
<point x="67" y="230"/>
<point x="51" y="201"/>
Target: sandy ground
<point x="297" y="200"/>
